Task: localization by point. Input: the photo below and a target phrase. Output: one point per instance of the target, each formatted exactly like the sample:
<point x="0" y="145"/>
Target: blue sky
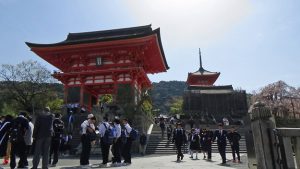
<point x="251" y="42"/>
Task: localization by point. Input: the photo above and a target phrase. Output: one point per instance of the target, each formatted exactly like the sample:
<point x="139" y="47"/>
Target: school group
<point x="115" y="136"/>
<point x="17" y="136"/>
<point x="200" y="140"/>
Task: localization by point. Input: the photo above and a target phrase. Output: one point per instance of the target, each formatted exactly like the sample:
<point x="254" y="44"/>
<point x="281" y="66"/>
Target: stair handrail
<point x="149" y="131"/>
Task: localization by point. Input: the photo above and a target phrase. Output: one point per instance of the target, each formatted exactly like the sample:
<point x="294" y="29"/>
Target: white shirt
<point x="84" y="126"/>
<point x="102" y="128"/>
<point x="118" y="130"/>
<point x="28" y="134"/>
<point x="127" y="129"/>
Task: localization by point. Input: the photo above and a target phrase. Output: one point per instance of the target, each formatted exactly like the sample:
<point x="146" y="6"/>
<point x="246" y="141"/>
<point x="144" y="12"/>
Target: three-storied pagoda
<point x="202" y="77"/>
<point x="211" y="103"/>
<point x="102" y="62"/>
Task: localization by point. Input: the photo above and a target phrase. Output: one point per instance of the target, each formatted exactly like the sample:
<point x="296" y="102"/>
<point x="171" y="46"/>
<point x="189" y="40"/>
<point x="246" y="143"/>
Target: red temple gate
<point x="95" y="63"/>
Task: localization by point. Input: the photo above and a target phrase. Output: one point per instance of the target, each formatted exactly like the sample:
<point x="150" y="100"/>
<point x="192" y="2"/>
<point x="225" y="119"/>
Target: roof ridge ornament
<point x="201" y="69"/>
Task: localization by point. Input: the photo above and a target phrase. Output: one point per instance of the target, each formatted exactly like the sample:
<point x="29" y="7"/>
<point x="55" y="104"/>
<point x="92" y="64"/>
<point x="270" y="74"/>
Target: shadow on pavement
<point x="178" y="161"/>
<point x="82" y="167"/>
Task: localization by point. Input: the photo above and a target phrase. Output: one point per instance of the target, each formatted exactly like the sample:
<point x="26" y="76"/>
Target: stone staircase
<point x="158" y="145"/>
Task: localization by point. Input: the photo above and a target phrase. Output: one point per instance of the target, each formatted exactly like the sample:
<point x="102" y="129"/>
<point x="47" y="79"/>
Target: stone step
<point x="174" y="152"/>
<point x="242" y="143"/>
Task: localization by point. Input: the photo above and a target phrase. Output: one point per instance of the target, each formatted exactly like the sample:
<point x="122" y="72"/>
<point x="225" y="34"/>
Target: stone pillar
<point x="262" y="125"/>
<point x="297" y="151"/>
<point x="252" y="163"/>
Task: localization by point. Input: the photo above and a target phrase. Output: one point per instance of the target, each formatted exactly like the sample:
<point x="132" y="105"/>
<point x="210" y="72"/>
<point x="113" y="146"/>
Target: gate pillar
<point x="262" y="125"/>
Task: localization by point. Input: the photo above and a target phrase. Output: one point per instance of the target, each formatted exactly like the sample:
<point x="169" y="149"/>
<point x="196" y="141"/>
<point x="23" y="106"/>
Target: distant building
<point x="211" y="104"/>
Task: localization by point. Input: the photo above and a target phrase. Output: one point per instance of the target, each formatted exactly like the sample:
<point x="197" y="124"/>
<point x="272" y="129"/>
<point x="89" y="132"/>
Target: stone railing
<point x="287" y="148"/>
<point x="273" y="146"/>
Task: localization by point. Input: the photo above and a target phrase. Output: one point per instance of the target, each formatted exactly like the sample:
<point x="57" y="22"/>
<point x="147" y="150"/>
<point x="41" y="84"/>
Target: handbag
<point x="91" y="134"/>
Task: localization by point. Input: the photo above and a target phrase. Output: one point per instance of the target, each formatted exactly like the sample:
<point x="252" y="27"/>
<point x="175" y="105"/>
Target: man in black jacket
<point x="207" y="142"/>
<point x="179" y="138"/>
<point x="18" y="145"/>
<point x="58" y="127"/>
<point x="42" y="133"/>
<point x="221" y="136"/>
<point x="234" y="138"/>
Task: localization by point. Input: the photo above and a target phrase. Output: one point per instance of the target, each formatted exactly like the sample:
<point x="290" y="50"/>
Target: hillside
<point x="164" y="92"/>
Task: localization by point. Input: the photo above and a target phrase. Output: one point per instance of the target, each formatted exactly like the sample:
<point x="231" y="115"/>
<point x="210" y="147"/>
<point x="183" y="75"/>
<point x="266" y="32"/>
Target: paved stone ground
<point x="157" y="162"/>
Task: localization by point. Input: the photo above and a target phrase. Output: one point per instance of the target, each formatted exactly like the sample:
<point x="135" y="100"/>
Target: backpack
<point x="123" y="137"/>
<point x="58" y="127"/>
<point x="134" y="134"/>
<point x="16" y="133"/>
<point x="108" y="137"/>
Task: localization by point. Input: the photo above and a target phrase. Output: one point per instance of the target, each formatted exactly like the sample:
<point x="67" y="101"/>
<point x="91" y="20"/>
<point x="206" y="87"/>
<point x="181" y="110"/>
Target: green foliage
<point x="125" y="100"/>
<point x="55" y="105"/>
<point x="146" y="104"/>
<point x="164" y="93"/>
<point x="176" y="106"/>
<point x="9" y="109"/>
<point x="106" y="98"/>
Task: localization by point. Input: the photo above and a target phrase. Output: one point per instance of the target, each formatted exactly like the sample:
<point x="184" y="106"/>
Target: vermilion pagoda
<point x="202" y="77"/>
<point x="95" y="63"/>
<point x="211" y="104"/>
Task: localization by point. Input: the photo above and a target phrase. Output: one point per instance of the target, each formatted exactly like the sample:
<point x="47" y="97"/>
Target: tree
<point x="27" y="83"/>
<point x="164" y="93"/>
<point x="106" y="98"/>
<point x="55" y="104"/>
<point x="145" y="103"/>
<point x="284" y="100"/>
<point x="176" y="106"/>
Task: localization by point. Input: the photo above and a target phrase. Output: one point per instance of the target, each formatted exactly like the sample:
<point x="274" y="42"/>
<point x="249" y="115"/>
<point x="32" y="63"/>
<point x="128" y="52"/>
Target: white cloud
<point x="192" y="21"/>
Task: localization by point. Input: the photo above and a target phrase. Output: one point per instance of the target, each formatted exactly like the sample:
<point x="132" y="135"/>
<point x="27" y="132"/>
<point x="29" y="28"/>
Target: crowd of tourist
<point x="20" y="137"/>
<point x="200" y="140"/>
<point x="48" y="136"/>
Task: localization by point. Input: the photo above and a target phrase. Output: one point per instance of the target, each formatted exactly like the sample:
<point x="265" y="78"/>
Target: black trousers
<point x="222" y="151"/>
<point x="236" y="149"/>
<point x="105" y="151"/>
<point x="208" y="151"/>
<point x="117" y="151"/>
<point x="54" y="149"/>
<point x="86" y="150"/>
<point x="127" y="151"/>
<point x="42" y="147"/>
<point x="162" y="132"/>
<point x="169" y="136"/>
<point x="28" y="152"/>
<point x="18" y="148"/>
<point x="179" y="152"/>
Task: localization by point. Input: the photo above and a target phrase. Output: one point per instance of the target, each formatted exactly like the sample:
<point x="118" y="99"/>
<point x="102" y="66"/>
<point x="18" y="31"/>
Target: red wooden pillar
<point x="81" y="94"/>
<point x="90" y="102"/>
<point x="115" y="87"/>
